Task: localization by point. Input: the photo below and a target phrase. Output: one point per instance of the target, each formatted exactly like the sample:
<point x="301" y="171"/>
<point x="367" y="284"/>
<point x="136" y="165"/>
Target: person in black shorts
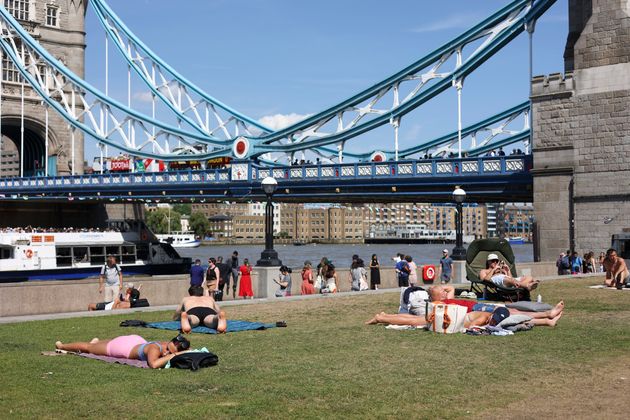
<point x="225" y="271"/>
<point x="198" y="309"/>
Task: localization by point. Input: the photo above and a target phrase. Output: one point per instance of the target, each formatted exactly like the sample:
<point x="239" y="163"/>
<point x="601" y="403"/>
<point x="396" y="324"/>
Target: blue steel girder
<point x="484" y="178"/>
<point x="498" y="30"/>
<point x="201" y="111"/>
<point x="89" y="110"/>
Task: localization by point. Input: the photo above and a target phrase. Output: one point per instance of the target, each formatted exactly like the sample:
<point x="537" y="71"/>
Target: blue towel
<point x="232" y="326"/>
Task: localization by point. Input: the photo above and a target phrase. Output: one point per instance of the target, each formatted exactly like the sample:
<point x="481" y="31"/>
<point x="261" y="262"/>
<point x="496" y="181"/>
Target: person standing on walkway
<point x="212" y="277"/>
<point x="307" y="279"/>
<point x="375" y="273"/>
<point x="245" y="284"/>
<point x="196" y="274"/>
<point x="225" y="271"/>
<point x="402" y="271"/>
<point x="445" y="270"/>
<point x="413" y="271"/>
<point x="110" y="279"/>
<point x="235" y="268"/>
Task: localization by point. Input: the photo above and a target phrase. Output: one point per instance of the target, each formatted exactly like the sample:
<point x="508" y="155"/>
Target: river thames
<point x="341" y="255"/>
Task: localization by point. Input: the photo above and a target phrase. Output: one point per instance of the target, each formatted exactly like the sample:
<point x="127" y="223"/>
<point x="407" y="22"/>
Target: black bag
<point x="133" y="323"/>
<point x="218" y="295"/>
<point x="194" y="360"/>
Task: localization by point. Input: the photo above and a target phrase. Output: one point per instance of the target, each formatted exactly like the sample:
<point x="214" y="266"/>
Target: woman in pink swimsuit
<point x="155" y="353"/>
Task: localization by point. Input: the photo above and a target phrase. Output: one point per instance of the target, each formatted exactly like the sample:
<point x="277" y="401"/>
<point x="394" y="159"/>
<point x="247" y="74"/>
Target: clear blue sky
<point x="269" y="57"/>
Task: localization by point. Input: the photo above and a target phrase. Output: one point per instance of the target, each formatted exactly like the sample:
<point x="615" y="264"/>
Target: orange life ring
<point x="29" y="253"/>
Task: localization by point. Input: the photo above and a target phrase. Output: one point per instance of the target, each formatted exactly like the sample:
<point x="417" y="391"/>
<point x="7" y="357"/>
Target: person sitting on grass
<point x="617" y="274"/>
<point x="198" y="309"/>
<point x="498" y="272"/>
<point x="155" y="353"/>
<point x="126" y="301"/>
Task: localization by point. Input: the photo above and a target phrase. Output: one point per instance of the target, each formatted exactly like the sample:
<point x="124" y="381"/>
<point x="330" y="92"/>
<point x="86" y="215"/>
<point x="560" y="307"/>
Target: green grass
<point x="325" y="364"/>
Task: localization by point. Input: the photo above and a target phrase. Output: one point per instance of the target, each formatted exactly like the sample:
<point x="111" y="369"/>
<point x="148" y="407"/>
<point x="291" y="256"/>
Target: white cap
<point x="492" y="257"/>
<point x="129" y="286"/>
<point x="445" y="250"/>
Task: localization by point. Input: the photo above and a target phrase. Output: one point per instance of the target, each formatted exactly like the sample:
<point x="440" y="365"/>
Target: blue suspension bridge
<point x="207" y="128"/>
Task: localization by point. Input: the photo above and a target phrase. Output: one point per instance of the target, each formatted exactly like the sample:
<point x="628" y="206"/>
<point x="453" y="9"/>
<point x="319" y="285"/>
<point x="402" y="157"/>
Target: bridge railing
<point x="248" y="172"/>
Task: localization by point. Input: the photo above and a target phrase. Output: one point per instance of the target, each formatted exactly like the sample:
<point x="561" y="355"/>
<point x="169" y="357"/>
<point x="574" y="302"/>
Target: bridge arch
<point x="34" y="153"/>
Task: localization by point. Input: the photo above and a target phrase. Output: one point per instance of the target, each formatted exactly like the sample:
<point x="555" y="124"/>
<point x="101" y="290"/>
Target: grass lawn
<point x="328" y="364"/>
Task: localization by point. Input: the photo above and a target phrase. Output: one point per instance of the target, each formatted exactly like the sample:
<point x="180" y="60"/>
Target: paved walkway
<point x="67" y="315"/>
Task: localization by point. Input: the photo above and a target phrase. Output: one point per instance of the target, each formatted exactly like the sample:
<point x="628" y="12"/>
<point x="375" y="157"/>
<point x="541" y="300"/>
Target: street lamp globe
<point x="269" y="185"/>
<point x="459" y="195"/>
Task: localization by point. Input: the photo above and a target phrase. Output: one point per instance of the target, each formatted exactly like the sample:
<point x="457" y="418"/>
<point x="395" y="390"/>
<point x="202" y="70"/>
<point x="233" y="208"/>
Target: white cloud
<point x="451" y="22"/>
<point x="280" y="121"/>
<point x="143" y="96"/>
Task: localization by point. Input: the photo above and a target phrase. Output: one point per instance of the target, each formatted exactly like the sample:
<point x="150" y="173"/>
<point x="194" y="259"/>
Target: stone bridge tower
<point x="581" y="133"/>
<point x="59" y="25"/>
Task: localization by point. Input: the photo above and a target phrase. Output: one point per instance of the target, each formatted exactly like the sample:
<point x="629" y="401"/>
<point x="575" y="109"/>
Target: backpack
<point x="194" y="360"/>
<point x="115" y="266"/>
<point x="565" y="263"/>
<point x="413" y="301"/>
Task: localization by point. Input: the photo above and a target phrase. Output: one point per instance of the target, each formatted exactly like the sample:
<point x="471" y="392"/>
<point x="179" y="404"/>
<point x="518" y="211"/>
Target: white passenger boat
<point x="180" y="239"/>
<point x="49" y="255"/>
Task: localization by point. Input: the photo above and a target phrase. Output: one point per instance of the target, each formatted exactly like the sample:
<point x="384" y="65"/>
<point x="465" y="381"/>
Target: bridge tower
<point x="59" y="25"/>
<point x="581" y="133"/>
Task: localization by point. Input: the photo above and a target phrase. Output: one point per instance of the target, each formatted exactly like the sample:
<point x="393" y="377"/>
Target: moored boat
<point x="76" y="254"/>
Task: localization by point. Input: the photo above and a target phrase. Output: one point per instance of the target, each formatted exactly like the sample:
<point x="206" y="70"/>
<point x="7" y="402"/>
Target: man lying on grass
<point x="617" y="273"/>
<point x="126" y="301"/>
<point x="155" y="353"/>
<point x="479" y="314"/>
<point x="198" y="309"/>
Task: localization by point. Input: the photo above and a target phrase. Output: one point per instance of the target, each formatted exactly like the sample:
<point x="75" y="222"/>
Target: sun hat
<point x="445" y="250"/>
<point x="492" y="257"/>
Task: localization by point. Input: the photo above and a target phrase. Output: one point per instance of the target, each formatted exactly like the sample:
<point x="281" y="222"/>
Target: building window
<point x="18" y="8"/>
<point x="9" y="72"/>
<point x="52" y="16"/>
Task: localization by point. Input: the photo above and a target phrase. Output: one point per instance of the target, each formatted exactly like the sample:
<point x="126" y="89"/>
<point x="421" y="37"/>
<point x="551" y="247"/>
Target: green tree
<point x="158" y="221"/>
<point x="199" y="224"/>
<point x="184" y="208"/>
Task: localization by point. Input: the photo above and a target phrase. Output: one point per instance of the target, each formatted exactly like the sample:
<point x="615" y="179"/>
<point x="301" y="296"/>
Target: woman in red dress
<point x="245" y="284"/>
<point x="307" y="279"/>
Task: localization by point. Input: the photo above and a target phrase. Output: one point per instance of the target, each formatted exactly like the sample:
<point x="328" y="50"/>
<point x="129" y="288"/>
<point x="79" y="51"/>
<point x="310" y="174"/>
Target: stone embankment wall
<point x="42" y="297"/>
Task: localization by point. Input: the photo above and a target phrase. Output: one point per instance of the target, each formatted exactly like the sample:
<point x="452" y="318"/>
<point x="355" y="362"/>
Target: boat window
<point x="80" y="254"/>
<point x="64" y="256"/>
<point x="6" y="253"/>
<point x="142" y="251"/>
<point x="113" y="250"/>
<point x="128" y="254"/>
<point x="97" y="255"/>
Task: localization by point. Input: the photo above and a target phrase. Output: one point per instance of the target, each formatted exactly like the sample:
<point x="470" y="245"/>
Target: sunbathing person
<point x="198" y="309"/>
<point x="155" y="353"/>
<point x="617" y="274"/>
<point x="126" y="301"/>
<point x="498" y="272"/>
<point x="478" y="313"/>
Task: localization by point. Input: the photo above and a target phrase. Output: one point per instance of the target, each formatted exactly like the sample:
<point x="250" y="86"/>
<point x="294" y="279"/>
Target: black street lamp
<point x="269" y="257"/>
<point x="459" y="252"/>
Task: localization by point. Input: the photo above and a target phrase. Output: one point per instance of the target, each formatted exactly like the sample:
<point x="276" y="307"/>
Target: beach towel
<point x="603" y="286"/>
<point x="232" y="326"/>
<point x="128" y="362"/>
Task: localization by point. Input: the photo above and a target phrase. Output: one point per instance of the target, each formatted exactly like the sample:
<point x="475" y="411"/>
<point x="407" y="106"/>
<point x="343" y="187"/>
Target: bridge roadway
<point x="485" y="179"/>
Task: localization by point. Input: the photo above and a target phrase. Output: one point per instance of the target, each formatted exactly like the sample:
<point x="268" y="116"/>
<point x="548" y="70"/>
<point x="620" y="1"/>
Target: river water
<point x="341" y="255"/>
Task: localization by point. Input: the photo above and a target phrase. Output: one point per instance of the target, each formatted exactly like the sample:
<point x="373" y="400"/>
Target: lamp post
<point x="459" y="252"/>
<point x="269" y="257"/>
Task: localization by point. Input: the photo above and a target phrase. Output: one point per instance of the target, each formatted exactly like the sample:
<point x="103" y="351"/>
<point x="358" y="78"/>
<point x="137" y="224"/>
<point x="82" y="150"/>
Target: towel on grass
<point x="232" y="326"/>
<point x="128" y="362"/>
<point x="603" y="286"/>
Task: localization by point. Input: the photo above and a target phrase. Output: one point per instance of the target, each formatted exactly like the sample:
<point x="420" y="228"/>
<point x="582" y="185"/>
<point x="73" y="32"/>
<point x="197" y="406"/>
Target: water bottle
<point x="539" y="298"/>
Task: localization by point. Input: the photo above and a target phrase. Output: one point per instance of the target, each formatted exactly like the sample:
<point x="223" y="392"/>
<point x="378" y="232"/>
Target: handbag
<point x="445" y="319"/>
<point x="318" y="282"/>
<point x="194" y="360"/>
